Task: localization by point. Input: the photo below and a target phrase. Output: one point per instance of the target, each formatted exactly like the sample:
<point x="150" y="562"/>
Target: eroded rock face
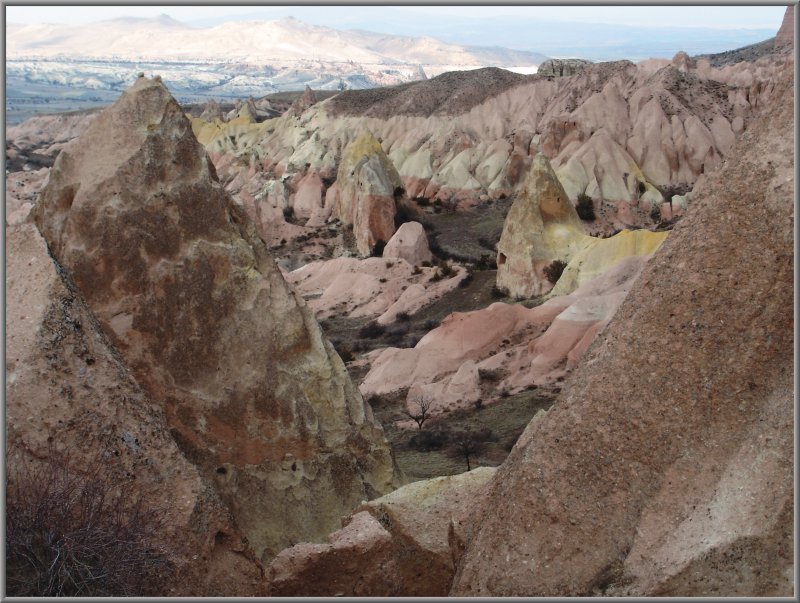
<point x="409" y="243"/>
<point x="305" y="101"/>
<point x="375" y="287"/>
<point x="367" y="189"/>
<point x="22" y="190"/>
<point x="65" y="383"/>
<point x="541" y="227"/>
<point x="211" y="111"/>
<point x="666" y="467"/>
<point x="785" y="36"/>
<point x="185" y="289"/>
<point x="562" y="67"/>
<point x="397" y="545"/>
<point x="522" y="347"/>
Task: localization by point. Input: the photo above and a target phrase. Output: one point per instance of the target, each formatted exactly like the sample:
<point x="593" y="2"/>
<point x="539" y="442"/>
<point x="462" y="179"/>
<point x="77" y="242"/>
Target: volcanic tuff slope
<point x="180" y="283"/>
<point x="665" y="468"/>
<point x="619" y="132"/>
<point x="70" y="398"/>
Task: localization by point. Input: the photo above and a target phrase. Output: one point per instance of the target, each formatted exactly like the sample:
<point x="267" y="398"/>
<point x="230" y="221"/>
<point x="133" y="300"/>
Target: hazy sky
<point x="723" y="17"/>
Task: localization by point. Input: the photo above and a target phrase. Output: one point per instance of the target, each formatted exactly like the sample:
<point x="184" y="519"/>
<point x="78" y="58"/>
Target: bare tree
<point x="468" y="444"/>
<point x="418" y="409"/>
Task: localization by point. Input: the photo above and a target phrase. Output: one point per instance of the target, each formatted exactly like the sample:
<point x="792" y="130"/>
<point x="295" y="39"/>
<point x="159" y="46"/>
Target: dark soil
<point x="746" y="53"/>
<point x="505" y="422"/>
<point x="451" y="93"/>
<point x="347" y="336"/>
<point x="467" y="234"/>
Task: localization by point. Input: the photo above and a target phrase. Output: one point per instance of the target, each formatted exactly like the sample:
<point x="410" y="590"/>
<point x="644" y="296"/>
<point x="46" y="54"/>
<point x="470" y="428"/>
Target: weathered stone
<point x="308" y="199"/>
<point x="69" y="394"/>
<point x="397" y="545"/>
<point x="374" y="287"/>
<point x="304" y="101"/>
<point x="368" y="187"/>
<point x="410" y="244"/>
<point x="541" y="227"/>
<point x="183" y="286"/>
<point x="785" y="35"/>
<point x="358" y="561"/>
<point x="562" y="67"/>
<point x="683" y="62"/>
<point x="666" y="467"/>
<point x="211" y="111"/>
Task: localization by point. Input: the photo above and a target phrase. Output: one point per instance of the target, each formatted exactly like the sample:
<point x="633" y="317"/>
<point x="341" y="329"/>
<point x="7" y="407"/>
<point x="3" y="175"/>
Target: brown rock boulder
<point x="180" y="282"/>
<point x="542" y="226"/>
<point x="69" y="396"/>
<point x="666" y="467"/>
<point x="397" y="545"/>
<point x="357" y="561"/>
<point x="368" y="187"/>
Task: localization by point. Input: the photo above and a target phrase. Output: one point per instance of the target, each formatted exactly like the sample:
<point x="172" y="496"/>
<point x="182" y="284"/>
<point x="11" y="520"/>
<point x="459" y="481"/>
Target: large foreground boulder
<point x="179" y="281"/>
<point x="397" y="545"/>
<point x="666" y="467"/>
<point x="71" y="400"/>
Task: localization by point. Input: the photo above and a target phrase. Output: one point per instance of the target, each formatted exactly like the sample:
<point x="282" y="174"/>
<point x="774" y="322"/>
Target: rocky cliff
<point x="666" y="466"/>
<point x="616" y="131"/>
<point x="254" y="395"/>
<point x="71" y="399"/>
<point x="367" y="185"/>
<point x="542" y="226"/>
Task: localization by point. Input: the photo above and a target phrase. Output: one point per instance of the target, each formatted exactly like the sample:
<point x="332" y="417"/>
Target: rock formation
<point x="22" y="190"/>
<point x="375" y="287"/>
<point x="186" y="291"/>
<point x="597" y="256"/>
<point x="304" y="101"/>
<point x="211" y="111"/>
<point x="410" y="244"/>
<point x="368" y="187"/>
<point x="683" y="62"/>
<point x="666" y="467"/>
<point x="562" y="67"/>
<point x="523" y="347"/>
<point x="69" y="395"/>
<point x="397" y="545"/>
<point x="615" y="131"/>
<point x="785" y="36"/>
<point x="541" y="227"/>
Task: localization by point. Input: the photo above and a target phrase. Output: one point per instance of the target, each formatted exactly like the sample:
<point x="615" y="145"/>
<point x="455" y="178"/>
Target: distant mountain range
<point x="274" y="43"/>
<point x="77" y="66"/>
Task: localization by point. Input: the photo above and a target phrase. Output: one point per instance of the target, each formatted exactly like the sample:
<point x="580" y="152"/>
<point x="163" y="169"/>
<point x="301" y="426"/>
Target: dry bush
<point x="585" y="208"/>
<point x="78" y="533"/>
<point x="554" y="270"/>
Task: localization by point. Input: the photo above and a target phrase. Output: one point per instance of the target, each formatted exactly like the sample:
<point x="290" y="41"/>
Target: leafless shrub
<point x="466" y="445"/>
<point x="78" y="533"/>
<point x="554" y="270"/>
<point x="492" y="375"/>
<point x="419" y="410"/>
